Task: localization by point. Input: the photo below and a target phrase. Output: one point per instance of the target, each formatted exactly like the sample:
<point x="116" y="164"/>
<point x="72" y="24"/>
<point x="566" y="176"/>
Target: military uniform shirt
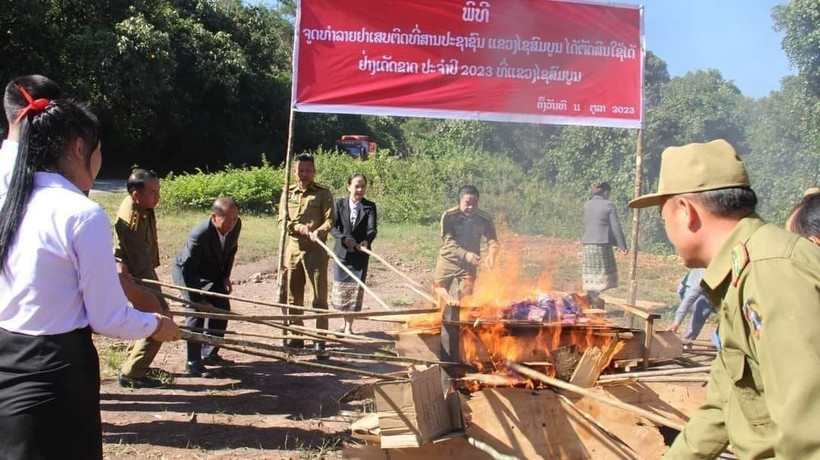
<point x="136" y="239"/>
<point x="764" y="390"/>
<point x="312" y="207"/>
<point x="461" y="234"/>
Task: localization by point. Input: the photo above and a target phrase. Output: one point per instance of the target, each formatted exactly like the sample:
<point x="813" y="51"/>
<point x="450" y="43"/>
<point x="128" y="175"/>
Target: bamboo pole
<point x="360" y="314"/>
<point x="632" y="293"/>
<point x="658" y="378"/>
<point x="533" y="374"/>
<point x="221" y="296"/>
<point x="226" y="344"/>
<point x="688" y="370"/>
<point x="349" y="272"/>
<point x="283" y="199"/>
<point x="412" y="283"/>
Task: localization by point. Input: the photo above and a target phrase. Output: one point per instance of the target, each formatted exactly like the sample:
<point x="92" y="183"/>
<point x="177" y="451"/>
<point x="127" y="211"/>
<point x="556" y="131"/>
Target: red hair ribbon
<point x="34" y="105"/>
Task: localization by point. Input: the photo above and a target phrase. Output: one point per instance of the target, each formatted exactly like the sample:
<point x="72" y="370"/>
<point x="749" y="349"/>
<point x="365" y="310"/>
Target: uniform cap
<point x="696" y="167"/>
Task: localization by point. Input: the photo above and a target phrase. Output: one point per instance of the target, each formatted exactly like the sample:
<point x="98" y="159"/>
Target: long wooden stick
<point x="233" y="345"/>
<point x="533" y="374"/>
<point x="222" y="296"/>
<point x="413" y="283"/>
<point x="360" y="314"/>
<point x="658" y="378"/>
<point x="688" y="370"/>
<point x="352" y="275"/>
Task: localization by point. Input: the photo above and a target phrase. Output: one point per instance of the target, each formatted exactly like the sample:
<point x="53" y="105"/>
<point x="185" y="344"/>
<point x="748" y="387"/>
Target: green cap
<point x="696" y="168"/>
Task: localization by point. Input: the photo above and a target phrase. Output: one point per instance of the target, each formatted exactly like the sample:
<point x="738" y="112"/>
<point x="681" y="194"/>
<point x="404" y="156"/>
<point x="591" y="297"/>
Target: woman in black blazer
<point x="354" y="226"/>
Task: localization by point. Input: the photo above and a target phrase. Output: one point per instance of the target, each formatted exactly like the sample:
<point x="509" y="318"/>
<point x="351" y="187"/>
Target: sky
<point x="733" y="36"/>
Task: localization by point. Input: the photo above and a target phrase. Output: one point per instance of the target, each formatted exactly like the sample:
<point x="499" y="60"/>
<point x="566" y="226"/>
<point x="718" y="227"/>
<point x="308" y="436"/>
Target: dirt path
<point x="261" y="408"/>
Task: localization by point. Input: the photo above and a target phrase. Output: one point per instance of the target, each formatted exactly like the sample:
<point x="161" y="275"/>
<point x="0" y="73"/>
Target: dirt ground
<point x="262" y="408"/>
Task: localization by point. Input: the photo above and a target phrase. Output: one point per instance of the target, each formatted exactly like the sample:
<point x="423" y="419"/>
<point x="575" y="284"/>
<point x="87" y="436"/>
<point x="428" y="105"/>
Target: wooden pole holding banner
<point x="632" y="292"/>
<point x="283" y="200"/>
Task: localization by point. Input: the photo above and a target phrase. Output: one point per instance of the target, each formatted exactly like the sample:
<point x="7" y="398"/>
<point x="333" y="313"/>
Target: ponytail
<point x="45" y="135"/>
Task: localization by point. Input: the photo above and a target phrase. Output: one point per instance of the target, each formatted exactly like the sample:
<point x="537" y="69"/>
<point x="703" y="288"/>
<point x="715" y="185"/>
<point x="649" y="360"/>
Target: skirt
<point x="599" y="271"/>
<point x="49" y="396"/>
<point x="346" y="294"/>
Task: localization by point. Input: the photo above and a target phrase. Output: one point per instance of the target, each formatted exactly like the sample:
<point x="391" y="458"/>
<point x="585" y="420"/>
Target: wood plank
<point x="452" y="449"/>
<point x="664" y="345"/>
<point x="594" y="361"/>
<point x="646" y="304"/>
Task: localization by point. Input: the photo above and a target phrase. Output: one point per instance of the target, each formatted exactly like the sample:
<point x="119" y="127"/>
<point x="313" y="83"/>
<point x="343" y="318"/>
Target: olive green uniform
<point x="307" y="261"/>
<point x="764" y="391"/>
<point x="136" y="246"/>
<point x="461" y="234"/>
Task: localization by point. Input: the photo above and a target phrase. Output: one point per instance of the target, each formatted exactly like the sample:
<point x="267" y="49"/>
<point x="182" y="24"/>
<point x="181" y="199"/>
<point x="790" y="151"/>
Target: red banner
<point x="534" y="61"/>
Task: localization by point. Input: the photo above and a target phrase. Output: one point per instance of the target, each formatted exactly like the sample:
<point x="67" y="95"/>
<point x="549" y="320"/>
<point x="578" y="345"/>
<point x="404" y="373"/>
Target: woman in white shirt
<point x="58" y="284"/>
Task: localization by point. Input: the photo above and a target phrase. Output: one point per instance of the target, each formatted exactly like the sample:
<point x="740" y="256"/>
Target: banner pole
<point x="283" y="200"/>
<point x="632" y="293"/>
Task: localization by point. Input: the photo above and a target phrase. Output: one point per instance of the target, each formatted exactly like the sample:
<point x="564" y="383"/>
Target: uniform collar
<point x="721" y="265"/>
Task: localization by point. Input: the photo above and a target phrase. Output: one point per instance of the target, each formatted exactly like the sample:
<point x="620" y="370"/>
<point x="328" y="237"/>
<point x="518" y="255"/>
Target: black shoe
<point x="215" y="360"/>
<point x="319" y="348"/>
<point x="139" y="382"/>
<point x="295" y="343"/>
<point x="196" y="369"/>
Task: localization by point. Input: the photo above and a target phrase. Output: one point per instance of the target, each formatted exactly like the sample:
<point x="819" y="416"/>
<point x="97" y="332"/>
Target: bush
<point x="415" y="190"/>
<point x="255" y="188"/>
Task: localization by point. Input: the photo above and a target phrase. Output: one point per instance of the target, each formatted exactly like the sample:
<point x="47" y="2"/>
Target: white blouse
<point x="59" y="273"/>
<point x="8" y="155"/>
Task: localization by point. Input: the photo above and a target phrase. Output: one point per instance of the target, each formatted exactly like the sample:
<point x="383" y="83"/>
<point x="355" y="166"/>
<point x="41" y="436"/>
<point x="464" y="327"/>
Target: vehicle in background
<point x="357" y="145"/>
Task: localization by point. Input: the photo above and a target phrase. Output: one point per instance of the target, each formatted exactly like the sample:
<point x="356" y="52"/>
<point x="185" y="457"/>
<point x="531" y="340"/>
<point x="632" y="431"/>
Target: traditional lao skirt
<point x="599" y="271"/>
<point x="346" y="294"/>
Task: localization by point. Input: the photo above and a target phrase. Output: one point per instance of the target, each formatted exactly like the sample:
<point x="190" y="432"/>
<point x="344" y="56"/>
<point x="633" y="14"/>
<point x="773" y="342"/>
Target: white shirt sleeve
<point x="106" y="307"/>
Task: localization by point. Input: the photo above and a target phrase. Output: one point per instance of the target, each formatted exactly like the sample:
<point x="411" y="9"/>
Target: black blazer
<point x="202" y="263"/>
<point x="364" y="229"/>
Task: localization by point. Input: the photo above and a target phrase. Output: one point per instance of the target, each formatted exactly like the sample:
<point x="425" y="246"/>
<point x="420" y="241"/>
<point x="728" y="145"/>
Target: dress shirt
<point x="59" y="274"/>
<point x="221" y="239"/>
<point x="8" y="155"/>
<point x="355" y="209"/>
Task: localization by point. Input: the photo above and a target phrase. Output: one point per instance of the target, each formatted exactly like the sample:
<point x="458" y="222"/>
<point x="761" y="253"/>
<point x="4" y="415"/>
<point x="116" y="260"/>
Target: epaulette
<point x="320" y="186"/>
<point x="451" y="211"/>
<point x="134" y="220"/>
<point x="740" y="258"/>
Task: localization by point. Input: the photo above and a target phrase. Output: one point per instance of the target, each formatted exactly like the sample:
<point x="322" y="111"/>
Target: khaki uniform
<point x="136" y="246"/>
<point x="461" y="234"/>
<point x="764" y="390"/>
<point x="307" y="261"/>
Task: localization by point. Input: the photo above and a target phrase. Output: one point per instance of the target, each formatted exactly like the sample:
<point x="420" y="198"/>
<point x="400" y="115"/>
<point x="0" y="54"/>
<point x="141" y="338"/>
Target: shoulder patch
<point x="740" y="258"/>
<point x="134" y="221"/>
<point x="751" y="311"/>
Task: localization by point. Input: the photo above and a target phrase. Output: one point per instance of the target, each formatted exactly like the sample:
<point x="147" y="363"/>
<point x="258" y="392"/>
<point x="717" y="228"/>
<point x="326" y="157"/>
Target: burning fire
<point x="509" y="318"/>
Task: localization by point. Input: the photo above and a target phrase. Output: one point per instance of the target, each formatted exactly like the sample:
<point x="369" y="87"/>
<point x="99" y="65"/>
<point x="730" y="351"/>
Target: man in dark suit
<point x="205" y="262"/>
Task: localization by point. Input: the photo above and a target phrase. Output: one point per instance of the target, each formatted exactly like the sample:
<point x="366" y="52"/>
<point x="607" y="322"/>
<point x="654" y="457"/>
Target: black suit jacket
<point x="364" y="229"/>
<point x="202" y="262"/>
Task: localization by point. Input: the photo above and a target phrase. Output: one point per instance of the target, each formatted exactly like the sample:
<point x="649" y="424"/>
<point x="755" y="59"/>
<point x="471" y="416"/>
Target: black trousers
<point x="49" y="396"/>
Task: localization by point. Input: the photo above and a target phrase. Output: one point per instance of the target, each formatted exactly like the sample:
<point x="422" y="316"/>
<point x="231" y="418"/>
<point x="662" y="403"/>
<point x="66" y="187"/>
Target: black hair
<point x="304" y="157"/>
<point x="221" y="205"/>
<point x="355" y="175"/>
<point x="38" y="87"/>
<point x="44" y="138"/>
<point x="727" y="202"/>
<point x="601" y="188"/>
<point x="467" y="190"/>
<point x="137" y="179"/>
<point x="806" y="216"/>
